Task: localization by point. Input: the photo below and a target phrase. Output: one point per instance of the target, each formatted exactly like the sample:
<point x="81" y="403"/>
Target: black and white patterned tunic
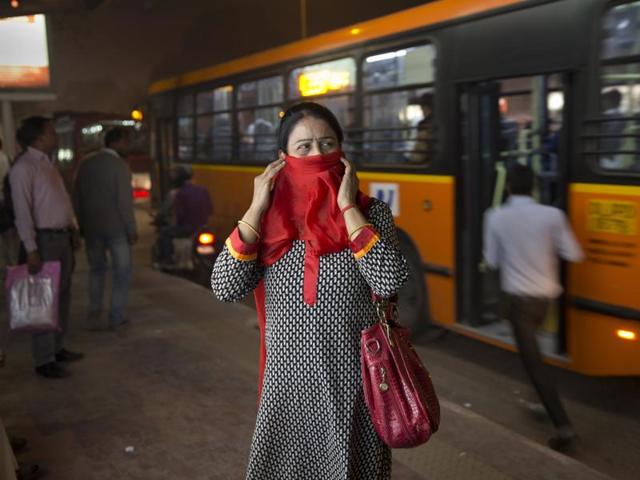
<point x="313" y="422"/>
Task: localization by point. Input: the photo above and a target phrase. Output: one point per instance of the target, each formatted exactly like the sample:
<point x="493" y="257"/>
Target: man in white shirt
<point x="524" y="240"/>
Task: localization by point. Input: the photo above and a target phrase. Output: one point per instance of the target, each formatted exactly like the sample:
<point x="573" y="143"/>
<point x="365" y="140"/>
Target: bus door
<point x="503" y="122"/>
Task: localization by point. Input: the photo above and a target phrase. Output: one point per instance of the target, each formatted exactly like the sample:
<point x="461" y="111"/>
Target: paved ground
<point x="179" y="386"/>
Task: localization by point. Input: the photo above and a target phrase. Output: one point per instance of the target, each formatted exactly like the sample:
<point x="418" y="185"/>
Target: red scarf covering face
<point x="304" y="206"/>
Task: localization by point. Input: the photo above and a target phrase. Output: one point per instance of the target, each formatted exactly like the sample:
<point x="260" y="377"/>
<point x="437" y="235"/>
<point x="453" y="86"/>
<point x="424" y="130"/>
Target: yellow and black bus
<point x="555" y="84"/>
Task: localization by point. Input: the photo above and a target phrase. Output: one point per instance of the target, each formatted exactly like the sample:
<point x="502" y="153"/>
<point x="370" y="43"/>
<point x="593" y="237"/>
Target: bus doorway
<point x="503" y="122"/>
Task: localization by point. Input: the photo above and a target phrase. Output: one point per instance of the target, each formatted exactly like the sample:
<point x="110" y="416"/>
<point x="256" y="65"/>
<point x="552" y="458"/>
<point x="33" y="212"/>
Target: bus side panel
<point x="605" y="219"/>
<point x="231" y="190"/>
<point x="594" y="347"/>
<point x="423" y="206"/>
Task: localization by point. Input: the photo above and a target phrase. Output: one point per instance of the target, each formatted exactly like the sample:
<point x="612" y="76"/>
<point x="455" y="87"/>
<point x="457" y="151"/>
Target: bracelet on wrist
<point x="347" y="208"/>
<point x="250" y="227"/>
<point x="357" y="229"/>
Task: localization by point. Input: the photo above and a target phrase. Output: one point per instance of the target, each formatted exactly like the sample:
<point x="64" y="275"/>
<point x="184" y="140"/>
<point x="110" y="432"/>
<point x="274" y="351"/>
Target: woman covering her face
<point x="313" y="248"/>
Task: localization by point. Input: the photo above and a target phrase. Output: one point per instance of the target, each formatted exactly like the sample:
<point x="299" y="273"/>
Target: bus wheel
<point x="412" y="298"/>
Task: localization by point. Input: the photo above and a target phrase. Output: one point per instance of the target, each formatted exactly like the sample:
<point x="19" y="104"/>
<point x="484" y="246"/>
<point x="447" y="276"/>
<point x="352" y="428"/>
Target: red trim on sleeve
<point x="364" y="241"/>
<point x="239" y="249"/>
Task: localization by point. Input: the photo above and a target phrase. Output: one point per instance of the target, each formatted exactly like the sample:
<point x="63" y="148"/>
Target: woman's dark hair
<point x="31" y="129"/>
<point x="305" y="109"/>
<point x="115" y="135"/>
<point x="520" y="179"/>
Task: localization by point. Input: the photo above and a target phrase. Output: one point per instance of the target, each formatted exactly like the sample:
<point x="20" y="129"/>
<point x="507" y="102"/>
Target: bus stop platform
<point x="173" y="395"/>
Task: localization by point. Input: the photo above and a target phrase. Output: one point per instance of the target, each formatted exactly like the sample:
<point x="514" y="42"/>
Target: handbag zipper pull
<point x="384" y="386"/>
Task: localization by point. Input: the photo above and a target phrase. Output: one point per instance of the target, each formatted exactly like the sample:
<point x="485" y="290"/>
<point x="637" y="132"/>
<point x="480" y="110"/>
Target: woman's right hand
<point x="263" y="184"/>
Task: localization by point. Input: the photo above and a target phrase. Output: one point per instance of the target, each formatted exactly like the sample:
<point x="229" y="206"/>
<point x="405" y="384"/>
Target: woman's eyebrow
<point x="329" y="137"/>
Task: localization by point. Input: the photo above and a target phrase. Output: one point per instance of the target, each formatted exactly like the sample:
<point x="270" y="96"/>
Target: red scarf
<point x="304" y="206"/>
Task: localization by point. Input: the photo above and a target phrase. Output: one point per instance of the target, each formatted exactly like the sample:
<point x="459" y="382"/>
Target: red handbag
<point x="398" y="390"/>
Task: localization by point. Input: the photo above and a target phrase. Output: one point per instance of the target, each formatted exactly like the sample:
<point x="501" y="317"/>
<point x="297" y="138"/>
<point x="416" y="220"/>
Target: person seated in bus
<point x="611" y="109"/>
<point x="526" y="253"/>
<point x="314" y="248"/>
<point x="190" y="209"/>
<point x="422" y="151"/>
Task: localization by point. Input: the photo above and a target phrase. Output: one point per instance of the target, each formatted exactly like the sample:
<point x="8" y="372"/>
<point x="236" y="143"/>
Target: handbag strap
<point x="387" y="310"/>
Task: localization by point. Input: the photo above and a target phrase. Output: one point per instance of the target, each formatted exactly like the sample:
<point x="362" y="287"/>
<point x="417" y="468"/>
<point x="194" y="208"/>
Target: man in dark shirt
<point x="192" y="209"/>
<point x="103" y="202"/>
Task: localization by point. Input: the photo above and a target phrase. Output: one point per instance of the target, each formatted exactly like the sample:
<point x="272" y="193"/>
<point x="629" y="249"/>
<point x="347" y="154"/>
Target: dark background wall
<point x="105" y="58"/>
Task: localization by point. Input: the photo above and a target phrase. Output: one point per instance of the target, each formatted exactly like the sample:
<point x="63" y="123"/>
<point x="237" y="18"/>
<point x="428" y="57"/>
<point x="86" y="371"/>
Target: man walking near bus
<point x="46" y="225"/>
<point x="103" y="201"/>
<point x="524" y="240"/>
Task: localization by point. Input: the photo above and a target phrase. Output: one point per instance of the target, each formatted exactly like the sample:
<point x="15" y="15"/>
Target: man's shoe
<point x="65" y="355"/>
<point x="563" y="442"/>
<point x="51" y="370"/>
<point x="29" y="471"/>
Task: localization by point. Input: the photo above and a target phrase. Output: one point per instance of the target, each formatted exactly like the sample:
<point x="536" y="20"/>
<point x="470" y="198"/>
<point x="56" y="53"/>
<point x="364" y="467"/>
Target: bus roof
<point x="406" y="20"/>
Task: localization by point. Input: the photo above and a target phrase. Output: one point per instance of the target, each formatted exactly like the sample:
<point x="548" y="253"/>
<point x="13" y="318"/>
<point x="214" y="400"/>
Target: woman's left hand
<point x="348" y="186"/>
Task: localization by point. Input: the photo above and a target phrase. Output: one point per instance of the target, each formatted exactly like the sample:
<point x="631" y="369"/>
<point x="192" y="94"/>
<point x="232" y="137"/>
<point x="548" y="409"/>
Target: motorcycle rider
<point x="188" y="207"/>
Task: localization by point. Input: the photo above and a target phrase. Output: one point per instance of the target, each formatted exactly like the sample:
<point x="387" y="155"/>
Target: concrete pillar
<point x="8" y="129"/>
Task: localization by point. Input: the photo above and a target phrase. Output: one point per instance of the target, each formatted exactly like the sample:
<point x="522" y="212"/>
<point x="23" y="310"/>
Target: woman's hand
<point x="263" y="184"/>
<point x="349" y="185"/>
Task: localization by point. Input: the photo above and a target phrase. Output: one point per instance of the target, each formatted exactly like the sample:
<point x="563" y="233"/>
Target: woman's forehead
<point x="311" y="127"/>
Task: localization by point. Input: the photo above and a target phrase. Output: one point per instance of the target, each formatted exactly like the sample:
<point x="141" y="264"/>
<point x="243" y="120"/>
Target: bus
<point x="554" y="84"/>
<point x="82" y="133"/>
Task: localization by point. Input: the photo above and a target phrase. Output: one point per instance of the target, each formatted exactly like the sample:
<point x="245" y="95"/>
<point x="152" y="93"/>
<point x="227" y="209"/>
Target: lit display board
<point x="24" y="56"/>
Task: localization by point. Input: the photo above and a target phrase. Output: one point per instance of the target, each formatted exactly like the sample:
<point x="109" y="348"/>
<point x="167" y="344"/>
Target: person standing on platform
<point x="314" y="248"/>
<point x="524" y="240"/>
<point x="47" y="227"/>
<point x="103" y="200"/>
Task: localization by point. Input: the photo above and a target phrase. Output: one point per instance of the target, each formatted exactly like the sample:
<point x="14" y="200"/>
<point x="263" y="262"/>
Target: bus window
<point x="618" y="147"/>
<point x="185" y="110"/>
<point x="398" y="125"/>
<point x="261" y="92"/>
<point x="213" y="125"/>
<point x="334" y="77"/>
<point x="259" y="106"/>
<point x="621" y="26"/>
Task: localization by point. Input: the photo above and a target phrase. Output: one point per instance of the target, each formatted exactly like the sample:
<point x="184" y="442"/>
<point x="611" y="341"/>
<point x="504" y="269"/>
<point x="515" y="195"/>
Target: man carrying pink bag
<point x="46" y="224"/>
<point x="33" y="299"/>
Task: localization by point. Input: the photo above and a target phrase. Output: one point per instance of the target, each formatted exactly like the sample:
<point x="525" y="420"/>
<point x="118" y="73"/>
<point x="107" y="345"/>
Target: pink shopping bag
<point x="33" y="299"/>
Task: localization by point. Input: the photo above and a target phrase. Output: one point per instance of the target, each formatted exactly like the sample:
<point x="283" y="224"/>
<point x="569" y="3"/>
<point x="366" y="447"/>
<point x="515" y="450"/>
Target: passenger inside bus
<point x="611" y="102"/>
<point x="423" y="146"/>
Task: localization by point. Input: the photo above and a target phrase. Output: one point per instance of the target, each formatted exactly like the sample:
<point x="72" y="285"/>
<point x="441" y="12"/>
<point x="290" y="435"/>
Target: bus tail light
<point x="626" y="334"/>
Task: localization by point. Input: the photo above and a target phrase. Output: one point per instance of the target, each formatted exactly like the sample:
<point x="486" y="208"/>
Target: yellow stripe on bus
<point x="405" y="177"/>
<point x="230" y="168"/>
<point x="380" y="176"/>
<point x="605" y="188"/>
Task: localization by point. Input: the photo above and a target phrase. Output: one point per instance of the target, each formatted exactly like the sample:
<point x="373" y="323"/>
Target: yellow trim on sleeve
<point x="239" y="256"/>
<point x="364" y="250"/>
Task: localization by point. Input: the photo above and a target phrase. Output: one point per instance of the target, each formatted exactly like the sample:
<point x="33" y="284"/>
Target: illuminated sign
<point x="24" y="57"/>
<point x="319" y="82"/>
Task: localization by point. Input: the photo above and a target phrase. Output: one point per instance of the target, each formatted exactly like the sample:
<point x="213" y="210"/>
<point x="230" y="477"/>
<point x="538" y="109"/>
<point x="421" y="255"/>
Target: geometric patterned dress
<point x="313" y="423"/>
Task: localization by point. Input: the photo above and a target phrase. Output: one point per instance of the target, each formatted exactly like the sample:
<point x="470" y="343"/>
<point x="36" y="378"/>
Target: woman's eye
<point x="304" y="147"/>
